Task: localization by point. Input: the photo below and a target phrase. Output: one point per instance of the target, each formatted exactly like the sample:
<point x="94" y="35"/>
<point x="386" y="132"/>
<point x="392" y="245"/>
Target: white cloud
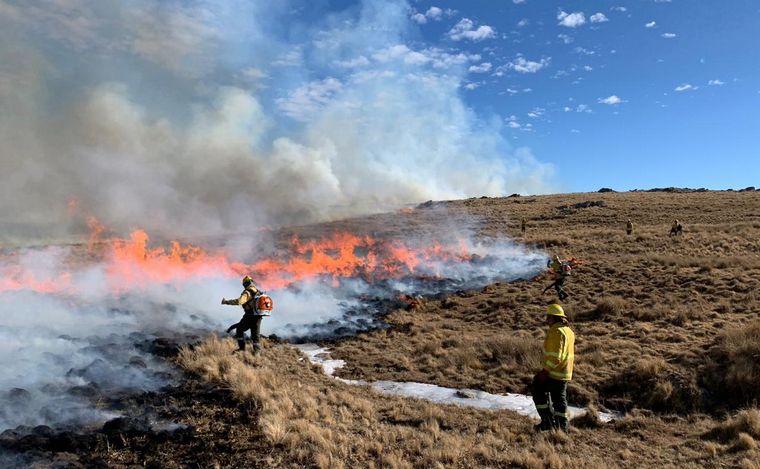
<point x="522" y="23"/>
<point x="583" y="108"/>
<point x="512" y="91"/>
<point x="522" y="65"/>
<point x="584" y="51"/>
<point x="575" y="131"/>
<point x="621" y="9"/>
<point x="536" y="112"/>
<point x="419" y="18"/>
<point x="686" y="87"/>
<point x="356" y="62"/>
<point x="471" y="86"/>
<point x="598" y="18"/>
<point x="715" y="83"/>
<point x="480" y="68"/>
<point x="565" y="38"/>
<point x="668" y="35"/>
<point x="517" y="2"/>
<point x="611" y="100"/>
<point x="571" y="20"/>
<point x="662" y="1"/>
<point x="587" y="68"/>
<point x="293" y="58"/>
<point x="434" y="13"/>
<point x="464" y="30"/>
<point x="651" y="24"/>
<point x="307" y="100"/>
<point x="437" y="58"/>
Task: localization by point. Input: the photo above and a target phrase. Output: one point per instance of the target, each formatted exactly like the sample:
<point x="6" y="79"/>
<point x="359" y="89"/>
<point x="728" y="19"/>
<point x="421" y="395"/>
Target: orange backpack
<point x="263" y="304"/>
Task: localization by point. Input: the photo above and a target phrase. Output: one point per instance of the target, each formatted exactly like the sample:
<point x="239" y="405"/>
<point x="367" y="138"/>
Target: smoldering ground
<point x="63" y="348"/>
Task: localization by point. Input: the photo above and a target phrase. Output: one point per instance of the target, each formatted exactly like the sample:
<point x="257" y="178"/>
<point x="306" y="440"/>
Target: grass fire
<point x="144" y="367"/>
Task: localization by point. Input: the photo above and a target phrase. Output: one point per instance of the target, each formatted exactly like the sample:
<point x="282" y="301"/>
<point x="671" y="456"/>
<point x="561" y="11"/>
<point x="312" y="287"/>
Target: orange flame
<point x="132" y="263"/>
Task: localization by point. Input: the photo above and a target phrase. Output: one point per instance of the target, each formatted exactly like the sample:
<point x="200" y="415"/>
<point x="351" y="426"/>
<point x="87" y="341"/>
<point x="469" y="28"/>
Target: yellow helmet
<point x="555" y="310"/>
<point x="247" y="279"/>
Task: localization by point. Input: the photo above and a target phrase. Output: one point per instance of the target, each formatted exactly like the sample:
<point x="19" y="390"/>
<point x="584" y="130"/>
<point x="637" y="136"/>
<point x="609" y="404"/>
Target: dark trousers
<point x="252" y="322"/>
<point x="550" y="397"/>
<point x="561" y="293"/>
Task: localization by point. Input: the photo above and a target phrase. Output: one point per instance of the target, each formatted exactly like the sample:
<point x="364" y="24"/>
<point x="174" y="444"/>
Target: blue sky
<point x="150" y="111"/>
<point x="687" y="74"/>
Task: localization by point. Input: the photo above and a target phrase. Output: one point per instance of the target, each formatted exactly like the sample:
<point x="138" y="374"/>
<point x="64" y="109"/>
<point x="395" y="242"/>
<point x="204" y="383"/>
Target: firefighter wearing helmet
<point x="251" y="317"/>
<point x="550" y="384"/>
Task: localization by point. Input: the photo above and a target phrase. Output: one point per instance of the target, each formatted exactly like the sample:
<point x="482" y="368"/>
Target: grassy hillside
<point x="667" y="330"/>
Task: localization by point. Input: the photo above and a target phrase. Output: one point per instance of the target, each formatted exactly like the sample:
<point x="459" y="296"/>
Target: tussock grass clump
<point x="744" y="422"/>
<point x="732" y="372"/>
<point x="606" y="308"/>
<point x="588" y="420"/>
<point x="519" y="350"/>
<point x="653" y="384"/>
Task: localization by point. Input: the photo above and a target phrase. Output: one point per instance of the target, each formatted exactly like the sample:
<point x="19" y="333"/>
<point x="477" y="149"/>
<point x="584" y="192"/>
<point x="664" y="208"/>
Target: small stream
<point x="520" y="403"/>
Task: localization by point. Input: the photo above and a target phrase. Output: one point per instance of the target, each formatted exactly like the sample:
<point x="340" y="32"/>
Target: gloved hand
<point x="224" y="300"/>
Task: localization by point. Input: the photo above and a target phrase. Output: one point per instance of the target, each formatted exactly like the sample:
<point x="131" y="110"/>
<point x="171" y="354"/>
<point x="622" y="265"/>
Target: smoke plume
<point x="207" y="116"/>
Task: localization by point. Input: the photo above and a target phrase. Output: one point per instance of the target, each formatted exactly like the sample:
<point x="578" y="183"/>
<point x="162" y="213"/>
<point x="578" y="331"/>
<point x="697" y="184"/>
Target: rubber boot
<point x="241" y="346"/>
<point x="561" y="423"/>
<point x="546" y="420"/>
<point x="256" y="348"/>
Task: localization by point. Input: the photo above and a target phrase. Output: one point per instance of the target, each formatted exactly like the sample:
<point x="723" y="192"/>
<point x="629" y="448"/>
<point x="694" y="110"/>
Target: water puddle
<point x="519" y="403"/>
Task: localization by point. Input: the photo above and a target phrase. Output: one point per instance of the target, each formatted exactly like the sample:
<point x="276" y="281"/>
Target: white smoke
<point x="210" y="116"/>
<point x="59" y="351"/>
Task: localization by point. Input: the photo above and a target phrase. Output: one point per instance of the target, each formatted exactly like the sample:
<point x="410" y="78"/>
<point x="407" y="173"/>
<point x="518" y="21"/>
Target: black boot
<point x="241" y="346"/>
<point x="561" y="423"/>
<point x="547" y="423"/>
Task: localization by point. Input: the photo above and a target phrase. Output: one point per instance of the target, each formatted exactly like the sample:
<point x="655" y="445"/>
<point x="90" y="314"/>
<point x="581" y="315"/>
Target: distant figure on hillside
<point x="676" y="229"/>
<point x="252" y="315"/>
<point x="522" y="226"/>
<point x="560" y="270"/>
<point x="550" y="384"/>
<point x="629" y="227"/>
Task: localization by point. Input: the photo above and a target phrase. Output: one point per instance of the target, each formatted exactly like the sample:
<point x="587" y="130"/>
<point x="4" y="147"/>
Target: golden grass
<point x="733" y="373"/>
<point x="312" y="420"/>
<point x="646" y="309"/>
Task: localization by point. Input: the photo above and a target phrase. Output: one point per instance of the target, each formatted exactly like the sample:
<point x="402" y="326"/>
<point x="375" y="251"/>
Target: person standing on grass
<point x="629" y="227"/>
<point x="522" y="226"/>
<point x="550" y="384"/>
<point x="251" y="316"/>
<point x="560" y="270"/>
<point x="676" y="229"/>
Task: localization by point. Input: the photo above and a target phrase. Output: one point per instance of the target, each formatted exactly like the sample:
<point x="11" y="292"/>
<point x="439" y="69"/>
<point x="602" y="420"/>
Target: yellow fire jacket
<point x="559" y="351"/>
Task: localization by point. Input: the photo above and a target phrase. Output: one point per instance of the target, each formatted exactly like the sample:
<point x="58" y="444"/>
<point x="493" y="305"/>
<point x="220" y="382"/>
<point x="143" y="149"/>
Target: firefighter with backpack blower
<point x="256" y="304"/>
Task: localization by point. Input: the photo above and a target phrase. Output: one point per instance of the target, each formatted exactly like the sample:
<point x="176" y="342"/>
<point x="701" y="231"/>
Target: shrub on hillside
<point x="652" y="383"/>
<point x="606" y="308"/>
<point x="732" y="371"/>
<point x="746" y="421"/>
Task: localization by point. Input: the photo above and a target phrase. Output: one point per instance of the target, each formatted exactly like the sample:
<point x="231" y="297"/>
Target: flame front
<point x="133" y="264"/>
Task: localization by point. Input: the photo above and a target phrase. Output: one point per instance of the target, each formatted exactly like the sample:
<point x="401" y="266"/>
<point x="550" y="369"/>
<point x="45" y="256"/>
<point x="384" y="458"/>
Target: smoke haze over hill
<point x="204" y="117"/>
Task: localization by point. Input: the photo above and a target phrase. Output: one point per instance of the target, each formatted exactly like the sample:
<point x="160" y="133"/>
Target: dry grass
<point x="733" y="374"/>
<point x="311" y="420"/>
<point x="646" y="308"/>
<point x="641" y="296"/>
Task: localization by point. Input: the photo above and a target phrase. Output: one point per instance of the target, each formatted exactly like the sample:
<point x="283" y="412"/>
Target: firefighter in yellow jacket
<point x="550" y="384"/>
<point x="251" y="318"/>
